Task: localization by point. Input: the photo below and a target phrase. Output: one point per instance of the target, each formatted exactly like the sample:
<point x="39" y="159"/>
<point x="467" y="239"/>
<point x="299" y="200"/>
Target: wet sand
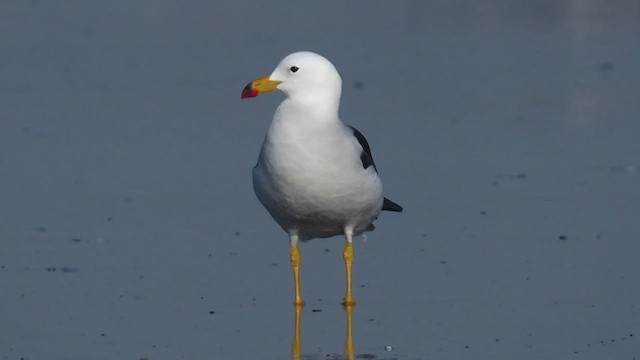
<point x="509" y="133"/>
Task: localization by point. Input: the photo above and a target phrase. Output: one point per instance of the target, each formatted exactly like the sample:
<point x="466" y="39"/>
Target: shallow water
<point x="509" y="133"/>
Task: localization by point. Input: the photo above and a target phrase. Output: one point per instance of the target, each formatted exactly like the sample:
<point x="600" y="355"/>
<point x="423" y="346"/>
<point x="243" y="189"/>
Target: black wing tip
<point x="365" y="156"/>
<point x="389" y="205"/>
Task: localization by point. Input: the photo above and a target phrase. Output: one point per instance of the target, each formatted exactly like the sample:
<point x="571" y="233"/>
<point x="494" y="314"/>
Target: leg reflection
<point x="349" y="353"/>
<point x="296" y="347"/>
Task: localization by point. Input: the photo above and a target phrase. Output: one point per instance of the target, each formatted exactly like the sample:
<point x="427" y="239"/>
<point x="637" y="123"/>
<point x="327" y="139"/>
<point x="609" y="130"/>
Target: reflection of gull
<point x="315" y="175"/>
<point x="296" y="346"/>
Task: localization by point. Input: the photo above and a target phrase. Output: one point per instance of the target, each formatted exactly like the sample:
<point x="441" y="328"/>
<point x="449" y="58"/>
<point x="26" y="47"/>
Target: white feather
<point x="309" y="174"/>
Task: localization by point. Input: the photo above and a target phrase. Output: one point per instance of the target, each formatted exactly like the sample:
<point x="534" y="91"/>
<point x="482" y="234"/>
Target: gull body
<point x="315" y="174"/>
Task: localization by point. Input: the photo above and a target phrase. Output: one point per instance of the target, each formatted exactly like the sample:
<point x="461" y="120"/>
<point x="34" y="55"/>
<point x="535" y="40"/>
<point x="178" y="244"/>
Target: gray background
<point x="509" y="131"/>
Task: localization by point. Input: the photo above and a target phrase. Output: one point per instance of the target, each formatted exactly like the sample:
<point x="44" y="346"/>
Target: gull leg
<point x="347" y="255"/>
<point x="295" y="263"/>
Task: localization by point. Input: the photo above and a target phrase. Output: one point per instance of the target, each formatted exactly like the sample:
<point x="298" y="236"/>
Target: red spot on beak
<point x="249" y="91"/>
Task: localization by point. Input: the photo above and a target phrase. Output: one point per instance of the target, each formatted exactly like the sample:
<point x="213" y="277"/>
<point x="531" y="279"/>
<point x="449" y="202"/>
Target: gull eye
<point x="294" y="68"/>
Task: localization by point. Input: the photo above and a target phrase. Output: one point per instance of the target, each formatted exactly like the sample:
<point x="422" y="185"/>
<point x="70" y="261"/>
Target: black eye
<point x="294" y="68"/>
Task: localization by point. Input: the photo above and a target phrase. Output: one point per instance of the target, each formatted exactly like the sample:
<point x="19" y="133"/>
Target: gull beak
<point x="259" y="86"/>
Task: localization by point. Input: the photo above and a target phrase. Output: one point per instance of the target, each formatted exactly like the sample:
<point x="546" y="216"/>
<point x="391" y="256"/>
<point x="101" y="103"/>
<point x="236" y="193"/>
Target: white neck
<point x="309" y="109"/>
<point x="316" y="104"/>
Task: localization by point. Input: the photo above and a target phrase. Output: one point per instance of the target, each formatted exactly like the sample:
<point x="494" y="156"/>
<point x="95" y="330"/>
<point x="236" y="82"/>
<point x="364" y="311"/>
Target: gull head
<point x="301" y="75"/>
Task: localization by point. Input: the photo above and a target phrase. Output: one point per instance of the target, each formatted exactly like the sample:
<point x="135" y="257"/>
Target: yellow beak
<point x="259" y="86"/>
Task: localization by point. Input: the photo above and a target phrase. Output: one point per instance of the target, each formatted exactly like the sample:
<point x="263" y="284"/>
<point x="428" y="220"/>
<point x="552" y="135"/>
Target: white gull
<point x="315" y="174"/>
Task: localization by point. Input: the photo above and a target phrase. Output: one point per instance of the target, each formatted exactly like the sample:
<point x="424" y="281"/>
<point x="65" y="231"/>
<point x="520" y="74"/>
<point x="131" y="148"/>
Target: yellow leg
<point x="348" y="261"/>
<point x="296" y="347"/>
<point x="295" y="263"/>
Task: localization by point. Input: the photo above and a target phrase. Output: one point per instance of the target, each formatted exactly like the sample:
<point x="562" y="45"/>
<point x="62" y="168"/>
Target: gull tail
<point x="389" y="205"/>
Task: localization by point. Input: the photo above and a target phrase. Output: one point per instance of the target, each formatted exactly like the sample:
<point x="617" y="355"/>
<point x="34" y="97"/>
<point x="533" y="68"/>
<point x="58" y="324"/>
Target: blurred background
<point x="509" y="131"/>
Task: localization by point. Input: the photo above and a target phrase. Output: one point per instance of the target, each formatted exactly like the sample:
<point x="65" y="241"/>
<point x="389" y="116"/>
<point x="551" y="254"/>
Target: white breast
<point x="310" y="177"/>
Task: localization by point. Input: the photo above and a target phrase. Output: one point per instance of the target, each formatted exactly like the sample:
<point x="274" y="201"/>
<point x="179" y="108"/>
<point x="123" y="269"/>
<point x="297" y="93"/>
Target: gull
<point x="315" y="175"/>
